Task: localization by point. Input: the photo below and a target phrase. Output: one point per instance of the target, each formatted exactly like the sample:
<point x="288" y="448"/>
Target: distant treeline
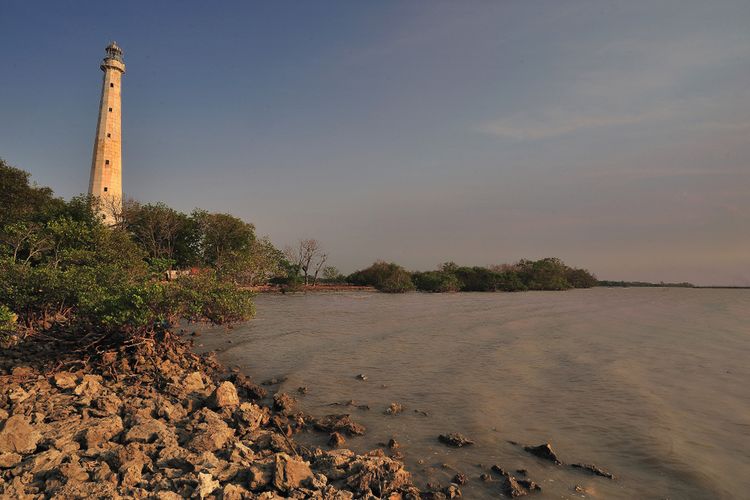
<point x="544" y="274"/>
<point x="627" y="284"/>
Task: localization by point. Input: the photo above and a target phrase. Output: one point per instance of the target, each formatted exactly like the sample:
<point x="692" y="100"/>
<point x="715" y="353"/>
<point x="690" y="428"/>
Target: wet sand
<point x="650" y="384"/>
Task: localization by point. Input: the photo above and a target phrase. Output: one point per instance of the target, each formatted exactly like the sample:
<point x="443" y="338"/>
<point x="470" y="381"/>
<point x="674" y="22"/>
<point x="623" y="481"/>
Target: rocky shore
<point x="150" y="419"/>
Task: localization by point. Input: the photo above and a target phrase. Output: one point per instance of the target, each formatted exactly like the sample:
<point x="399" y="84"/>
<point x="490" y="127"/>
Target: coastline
<point x="320" y="288"/>
<point x="154" y="420"/>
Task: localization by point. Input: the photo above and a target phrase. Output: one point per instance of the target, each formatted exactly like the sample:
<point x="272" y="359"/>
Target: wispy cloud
<point x="560" y="122"/>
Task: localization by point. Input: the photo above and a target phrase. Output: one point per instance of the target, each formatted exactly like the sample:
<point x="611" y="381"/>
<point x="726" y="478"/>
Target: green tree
<point x="223" y="238"/>
<point x="386" y="277"/>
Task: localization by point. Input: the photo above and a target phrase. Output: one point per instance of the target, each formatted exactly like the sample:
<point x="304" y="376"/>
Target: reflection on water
<point x="651" y="384"/>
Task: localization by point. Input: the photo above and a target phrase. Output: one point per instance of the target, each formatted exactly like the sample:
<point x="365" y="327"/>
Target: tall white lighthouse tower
<point x="106" y="164"/>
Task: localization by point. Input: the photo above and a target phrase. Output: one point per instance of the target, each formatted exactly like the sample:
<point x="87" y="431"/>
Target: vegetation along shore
<point x="101" y="396"/>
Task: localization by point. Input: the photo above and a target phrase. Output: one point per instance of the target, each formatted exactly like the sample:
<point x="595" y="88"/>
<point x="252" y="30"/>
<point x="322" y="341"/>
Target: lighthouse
<point x="105" y="182"/>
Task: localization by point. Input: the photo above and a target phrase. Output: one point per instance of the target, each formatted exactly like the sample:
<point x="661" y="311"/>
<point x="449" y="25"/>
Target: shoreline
<point x="156" y="420"/>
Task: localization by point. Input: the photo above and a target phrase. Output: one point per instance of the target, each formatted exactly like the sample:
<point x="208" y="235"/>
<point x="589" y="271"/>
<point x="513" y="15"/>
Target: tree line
<point x="543" y="274"/>
<point x="63" y="269"/>
<point x="61" y="266"/>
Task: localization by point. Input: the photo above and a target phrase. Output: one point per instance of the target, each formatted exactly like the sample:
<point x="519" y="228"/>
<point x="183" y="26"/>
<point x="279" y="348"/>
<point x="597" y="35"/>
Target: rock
<point x="210" y="436"/>
<point x="362" y="377"/>
<point x="108" y="404"/>
<point x="65" y="380"/>
<point x="452" y="491"/>
<point x="336" y="440"/>
<point x="147" y="430"/>
<point x="593" y="469"/>
<point x="284" y="402"/>
<point x="18" y="436"/>
<point x="514" y="487"/>
<point x="89" y="387"/>
<point x="17" y="395"/>
<point x="248" y="387"/>
<point x="394" y="409"/>
<point x="102" y="430"/>
<point x="460" y="479"/>
<point x="9" y="459"/>
<point x="260" y="475"/>
<point x="206" y="485"/>
<point x="252" y="416"/>
<point x="393" y="444"/>
<point x="339" y="423"/>
<point x="302" y="390"/>
<point x="455" y="439"/>
<point x="545" y="452"/>
<point x="72" y="471"/>
<point x="225" y="396"/>
<point x="234" y="492"/>
<point x="377" y="475"/>
<point x="290" y="473"/>
<point x="193" y="382"/>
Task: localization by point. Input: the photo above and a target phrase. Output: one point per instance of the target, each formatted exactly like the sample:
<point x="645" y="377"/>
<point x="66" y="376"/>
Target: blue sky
<point x="611" y="134"/>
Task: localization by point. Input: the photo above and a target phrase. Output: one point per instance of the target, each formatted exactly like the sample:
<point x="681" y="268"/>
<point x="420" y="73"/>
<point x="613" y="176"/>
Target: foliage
<point x="386" y="277"/>
<point x="261" y="263"/>
<point x="436" y="281"/>
<point x="543" y="274"/>
<point x="580" y="278"/>
<point x="331" y="274"/>
<point x="8" y="323"/>
<point x="60" y="265"/>
<point x="164" y="233"/>
<point x="222" y="239"/>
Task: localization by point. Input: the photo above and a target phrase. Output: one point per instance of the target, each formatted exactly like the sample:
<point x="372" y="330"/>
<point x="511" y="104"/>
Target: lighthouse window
<point x="106" y="162"/>
<point x="111" y="84"/>
<point x="105" y="189"/>
<point x="109" y="135"/>
<point x="110" y="109"/>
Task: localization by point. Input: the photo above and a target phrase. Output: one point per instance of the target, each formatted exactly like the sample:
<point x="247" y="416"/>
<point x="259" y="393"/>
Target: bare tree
<point x="318" y="267"/>
<point x="306" y="256"/>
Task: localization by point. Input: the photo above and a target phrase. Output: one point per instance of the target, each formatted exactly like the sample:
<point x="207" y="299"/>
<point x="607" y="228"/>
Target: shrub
<point x="476" y="279"/>
<point x="8" y="323"/>
<point x="436" y="281"/>
<point x="386" y="277"/>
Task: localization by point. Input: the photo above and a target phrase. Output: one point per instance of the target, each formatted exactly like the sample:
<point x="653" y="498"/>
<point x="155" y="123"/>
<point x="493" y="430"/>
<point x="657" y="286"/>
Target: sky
<point x="614" y="135"/>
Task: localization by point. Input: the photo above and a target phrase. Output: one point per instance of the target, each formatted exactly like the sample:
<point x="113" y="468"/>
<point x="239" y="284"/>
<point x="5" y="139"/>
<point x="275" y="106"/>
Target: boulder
<point x="252" y="416"/>
<point x="545" y="452"/>
<point x="283" y="402"/>
<point x="206" y="485"/>
<point x="89" y="387"/>
<point x="455" y="439"/>
<point x="9" y="459"/>
<point x="193" y="382"/>
<point x="594" y="469"/>
<point x="339" y="423"/>
<point x="147" y="430"/>
<point x="336" y="440"/>
<point x="394" y="409"/>
<point x="260" y="474"/>
<point x="102" y="430"/>
<point x="18" y="436"/>
<point x="65" y="380"/>
<point x="225" y="396"/>
<point x="210" y="436"/>
<point x="290" y="473"/>
<point x="377" y="475"/>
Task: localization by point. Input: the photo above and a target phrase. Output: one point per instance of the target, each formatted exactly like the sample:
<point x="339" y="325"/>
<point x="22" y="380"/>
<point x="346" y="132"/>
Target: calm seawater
<point x="650" y="384"/>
